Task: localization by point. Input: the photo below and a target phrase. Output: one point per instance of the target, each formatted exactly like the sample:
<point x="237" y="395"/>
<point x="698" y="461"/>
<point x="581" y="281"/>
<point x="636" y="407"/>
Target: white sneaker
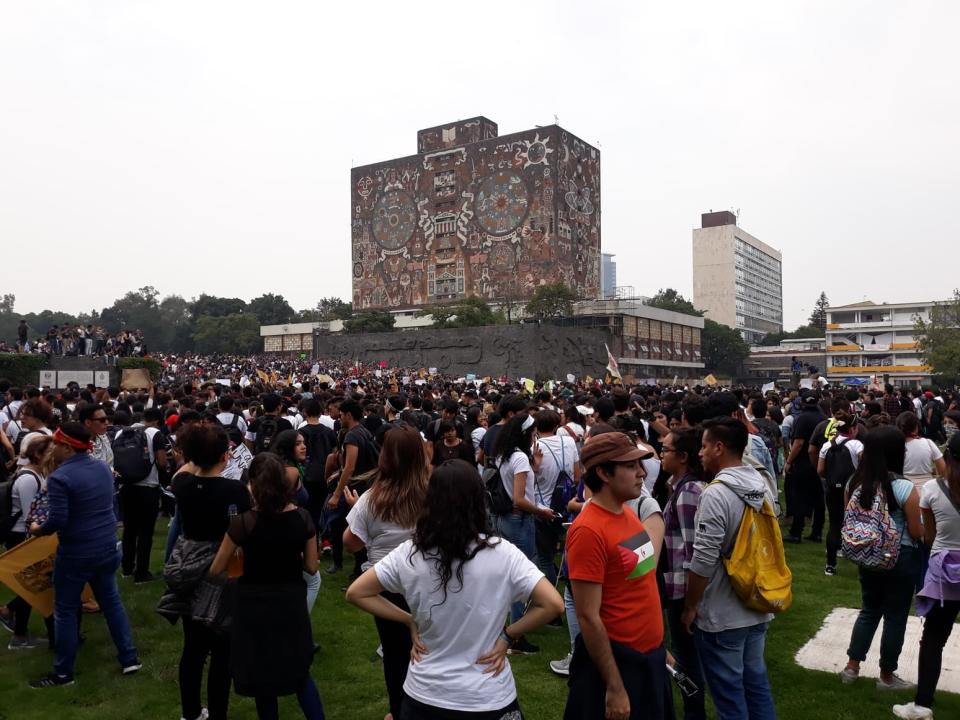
<point x="912" y="711"/>
<point x="202" y="716"/>
<point x="562" y="667"/>
<point x="897" y="683"/>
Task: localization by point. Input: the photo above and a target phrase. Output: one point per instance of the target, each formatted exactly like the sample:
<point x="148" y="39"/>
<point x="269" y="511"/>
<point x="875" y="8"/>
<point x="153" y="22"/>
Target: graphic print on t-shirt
<point x="637" y="555"/>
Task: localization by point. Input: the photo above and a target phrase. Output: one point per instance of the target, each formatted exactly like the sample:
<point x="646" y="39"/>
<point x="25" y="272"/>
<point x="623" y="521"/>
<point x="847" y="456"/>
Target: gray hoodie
<point x="717" y="522"/>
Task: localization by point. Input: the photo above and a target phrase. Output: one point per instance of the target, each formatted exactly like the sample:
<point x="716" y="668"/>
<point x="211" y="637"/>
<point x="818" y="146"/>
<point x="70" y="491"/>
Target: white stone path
<point x="827" y="650"/>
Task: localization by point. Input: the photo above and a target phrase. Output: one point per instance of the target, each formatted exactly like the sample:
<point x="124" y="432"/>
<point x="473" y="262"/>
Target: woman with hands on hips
<point x="459" y="583"/>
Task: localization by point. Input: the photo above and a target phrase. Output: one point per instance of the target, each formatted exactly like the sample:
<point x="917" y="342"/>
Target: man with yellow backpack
<point x="738" y="577"/>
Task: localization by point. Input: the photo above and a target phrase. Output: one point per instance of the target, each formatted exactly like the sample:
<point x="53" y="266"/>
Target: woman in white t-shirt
<point x="923" y="458"/>
<point x="938" y="602"/>
<point x="459" y="582"/>
<point x="382" y="519"/>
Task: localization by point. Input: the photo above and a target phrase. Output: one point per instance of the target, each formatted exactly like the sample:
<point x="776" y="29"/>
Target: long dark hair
<point x="884" y="448"/>
<point x="284" y="446"/>
<point x="453" y="520"/>
<point x="268" y="484"/>
<point x="687" y="441"/>
<point x="400" y="478"/>
<point x="513" y="438"/>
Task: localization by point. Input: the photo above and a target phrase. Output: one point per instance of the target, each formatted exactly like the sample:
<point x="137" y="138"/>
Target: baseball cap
<point x="613" y="447"/>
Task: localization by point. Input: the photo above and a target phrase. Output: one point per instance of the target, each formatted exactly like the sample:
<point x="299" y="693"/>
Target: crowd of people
<point x="77" y="340"/>
<point x="466" y="507"/>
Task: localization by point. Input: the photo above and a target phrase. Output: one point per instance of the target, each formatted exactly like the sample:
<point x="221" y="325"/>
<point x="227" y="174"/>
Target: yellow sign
<point x="27" y="570"/>
<point x="710" y="380"/>
<point x="529" y="385"/>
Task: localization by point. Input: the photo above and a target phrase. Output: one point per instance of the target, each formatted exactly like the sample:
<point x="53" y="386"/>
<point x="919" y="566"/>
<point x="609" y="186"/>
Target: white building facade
<point x="876" y="341"/>
<point x="737" y="279"/>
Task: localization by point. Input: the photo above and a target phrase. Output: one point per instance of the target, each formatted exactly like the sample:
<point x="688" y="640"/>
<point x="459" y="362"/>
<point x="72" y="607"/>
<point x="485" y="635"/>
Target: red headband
<point x="61" y="437"/>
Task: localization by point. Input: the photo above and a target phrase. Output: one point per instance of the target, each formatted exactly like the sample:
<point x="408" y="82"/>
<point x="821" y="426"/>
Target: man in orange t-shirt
<point x="618" y="666"/>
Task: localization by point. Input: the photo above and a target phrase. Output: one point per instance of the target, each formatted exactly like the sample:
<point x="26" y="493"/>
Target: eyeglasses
<point x="666" y="449"/>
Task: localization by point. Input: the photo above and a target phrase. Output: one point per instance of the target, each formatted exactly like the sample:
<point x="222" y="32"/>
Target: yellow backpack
<point x="757" y="566"/>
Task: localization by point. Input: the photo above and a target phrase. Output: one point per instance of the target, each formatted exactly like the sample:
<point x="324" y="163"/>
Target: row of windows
<point x="749" y="250"/>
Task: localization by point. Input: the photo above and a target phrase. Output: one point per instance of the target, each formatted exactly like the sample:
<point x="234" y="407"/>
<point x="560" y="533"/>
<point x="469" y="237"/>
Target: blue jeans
<point x="307" y="696"/>
<point x="70" y="574"/>
<point x="732" y="662"/>
<point x="518" y="529"/>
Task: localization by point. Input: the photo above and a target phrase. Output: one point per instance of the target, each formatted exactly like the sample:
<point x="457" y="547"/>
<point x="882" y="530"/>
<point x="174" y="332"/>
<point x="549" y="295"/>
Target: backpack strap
<point x="946" y="491"/>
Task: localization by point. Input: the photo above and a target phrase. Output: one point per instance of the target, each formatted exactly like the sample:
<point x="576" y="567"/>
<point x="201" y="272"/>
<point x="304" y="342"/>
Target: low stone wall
<point x="529" y="350"/>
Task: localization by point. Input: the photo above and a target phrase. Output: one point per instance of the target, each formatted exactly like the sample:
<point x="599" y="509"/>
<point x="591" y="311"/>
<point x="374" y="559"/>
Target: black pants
<point x="140" y="508"/>
<point x="685" y="651"/>
<point x="336" y="528"/>
<point x="808" y="500"/>
<point x="835" y="508"/>
<point x="644" y="679"/>
<point x="396" y="643"/>
<point x="414" y="710"/>
<point x="936" y="631"/>
<point x="546" y="536"/>
<point x="199" y="642"/>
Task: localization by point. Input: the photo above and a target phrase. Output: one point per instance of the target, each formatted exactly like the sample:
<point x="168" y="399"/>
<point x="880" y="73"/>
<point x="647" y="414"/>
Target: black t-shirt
<point x="282" y="424"/>
<point x="386" y="427"/>
<point x="367" y="455"/>
<point x="489" y="442"/>
<point x="819" y="438"/>
<point x="803" y="429"/>
<point x="320" y="441"/>
<point x="272" y="546"/>
<point x="204" y="504"/>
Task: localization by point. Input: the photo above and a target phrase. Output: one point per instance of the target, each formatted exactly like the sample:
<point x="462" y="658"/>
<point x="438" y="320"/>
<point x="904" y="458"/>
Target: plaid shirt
<point x="891" y="406"/>
<point x="679" y="530"/>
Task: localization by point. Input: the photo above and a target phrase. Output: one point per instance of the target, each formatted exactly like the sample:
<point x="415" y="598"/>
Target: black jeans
<point x="199" y="642"/>
<point x="414" y="710"/>
<point x="886" y="594"/>
<point x="936" y="631"/>
<point x="808" y="500"/>
<point x="685" y="651"/>
<point x="18" y="606"/>
<point x="140" y="508"/>
<point x="396" y="642"/>
<point x="546" y="537"/>
<point x="835" y="508"/>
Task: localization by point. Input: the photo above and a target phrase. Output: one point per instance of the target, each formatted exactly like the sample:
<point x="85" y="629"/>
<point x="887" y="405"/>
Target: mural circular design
<point x="394" y="219"/>
<point x="357" y="270"/>
<point x="502" y="203"/>
<point x="536" y="153"/>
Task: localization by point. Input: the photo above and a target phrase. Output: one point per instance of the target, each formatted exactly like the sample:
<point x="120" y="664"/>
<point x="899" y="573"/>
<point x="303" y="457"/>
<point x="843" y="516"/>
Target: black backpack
<point x="9" y="518"/>
<point x="498" y="501"/>
<point x="838" y="465"/>
<point x="18" y="440"/>
<point x="320" y="441"/>
<point x="233" y="430"/>
<point x="132" y="456"/>
<point x="268" y="427"/>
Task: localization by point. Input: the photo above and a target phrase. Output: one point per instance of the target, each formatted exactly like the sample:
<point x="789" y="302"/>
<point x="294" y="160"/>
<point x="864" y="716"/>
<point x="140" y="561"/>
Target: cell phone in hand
<point x="687" y="686"/>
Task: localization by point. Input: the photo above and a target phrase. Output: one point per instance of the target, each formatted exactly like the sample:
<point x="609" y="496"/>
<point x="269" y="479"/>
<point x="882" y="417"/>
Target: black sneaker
<point x="6" y="622"/>
<point x="793" y="539"/>
<point x="830" y="570"/>
<point x="333" y="569"/>
<point x="521" y="646"/>
<point x="557" y="622"/>
<point x="145" y="578"/>
<point x="51" y="680"/>
<point x="132" y="667"/>
<point x="814" y="538"/>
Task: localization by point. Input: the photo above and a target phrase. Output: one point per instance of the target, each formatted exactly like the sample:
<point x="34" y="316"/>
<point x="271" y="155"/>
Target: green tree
<point x="271" y="309"/>
<point x="818" y="317"/>
<point x="6" y="304"/>
<point x="137" y="310"/>
<point x="723" y="348"/>
<point x="468" y="312"/>
<point x="670" y="299"/>
<point x="802" y="332"/>
<point x="216" y="306"/>
<point x="551" y="300"/>
<point x="368" y="322"/>
<point x="177" y="325"/>
<point x="938" y="337"/>
<point x="237" y="333"/>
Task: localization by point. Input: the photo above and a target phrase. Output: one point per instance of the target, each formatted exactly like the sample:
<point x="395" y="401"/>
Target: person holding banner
<point x="81" y="512"/>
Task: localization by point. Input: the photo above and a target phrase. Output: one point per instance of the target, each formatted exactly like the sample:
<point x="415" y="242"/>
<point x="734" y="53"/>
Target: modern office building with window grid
<point x="737" y="279"/>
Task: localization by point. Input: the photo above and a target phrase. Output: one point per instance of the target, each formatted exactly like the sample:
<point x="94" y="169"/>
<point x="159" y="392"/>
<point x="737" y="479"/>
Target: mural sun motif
<point x="536" y="152"/>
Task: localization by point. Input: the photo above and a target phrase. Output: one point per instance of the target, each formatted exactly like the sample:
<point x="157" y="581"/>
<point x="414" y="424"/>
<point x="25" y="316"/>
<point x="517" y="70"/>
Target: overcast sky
<point x="206" y="146"/>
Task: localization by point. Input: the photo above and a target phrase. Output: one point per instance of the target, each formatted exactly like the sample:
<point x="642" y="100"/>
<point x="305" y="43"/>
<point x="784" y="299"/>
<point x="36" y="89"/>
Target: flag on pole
<point x="612" y="366"/>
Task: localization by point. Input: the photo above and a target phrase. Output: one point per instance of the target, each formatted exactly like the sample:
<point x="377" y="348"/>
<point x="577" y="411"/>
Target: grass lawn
<point x="348" y="671"/>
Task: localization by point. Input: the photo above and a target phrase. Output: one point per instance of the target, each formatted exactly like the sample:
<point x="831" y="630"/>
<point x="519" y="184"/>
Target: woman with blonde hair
<point x="381" y="519"/>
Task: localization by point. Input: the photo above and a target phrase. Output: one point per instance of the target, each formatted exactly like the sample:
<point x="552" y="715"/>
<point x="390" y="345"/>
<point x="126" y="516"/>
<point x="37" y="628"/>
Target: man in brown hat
<point x="618" y="664"/>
